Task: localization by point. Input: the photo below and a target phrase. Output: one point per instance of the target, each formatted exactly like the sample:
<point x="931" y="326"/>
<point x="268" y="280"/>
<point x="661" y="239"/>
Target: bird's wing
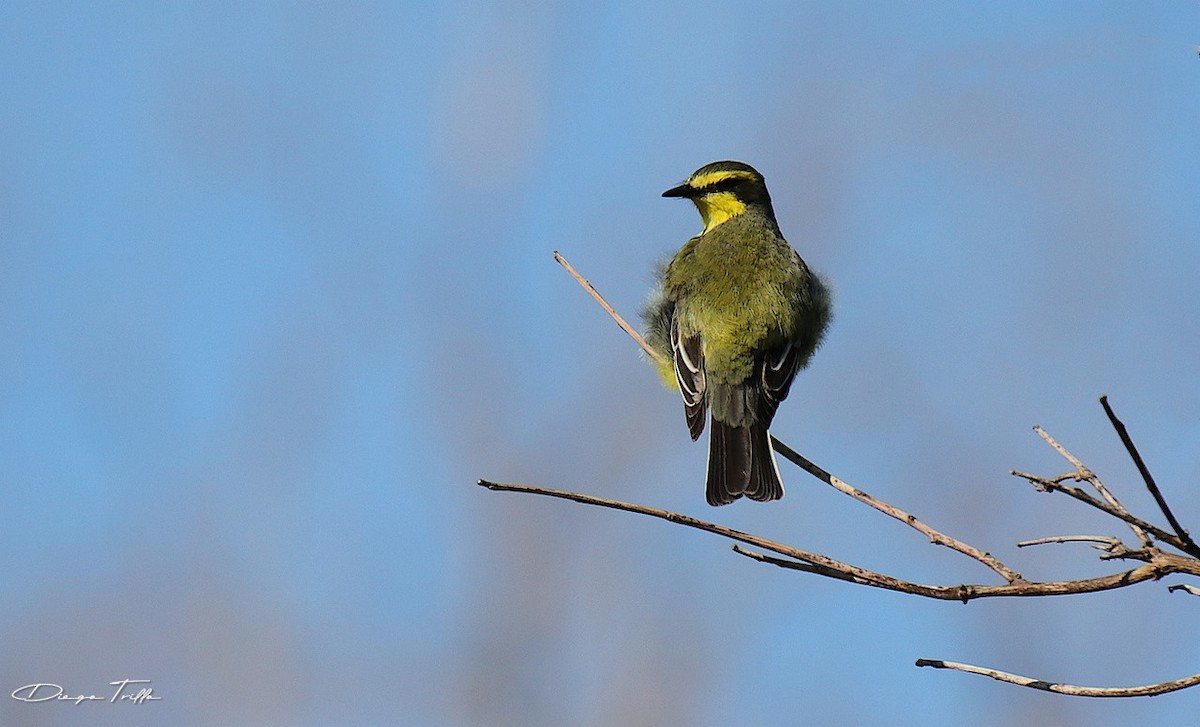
<point x="689" y="372"/>
<point x="779" y="369"/>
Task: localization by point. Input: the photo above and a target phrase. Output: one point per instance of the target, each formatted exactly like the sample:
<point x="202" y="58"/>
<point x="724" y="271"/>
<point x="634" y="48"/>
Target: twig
<point x="1156" y="565"/>
<point x="1118" y="512"/>
<point x="1185" y="588"/>
<point x="1079" y="466"/>
<point x="850" y="572"/>
<point x="1149" y="690"/>
<point x="1086" y="474"/>
<point x="936" y="537"/>
<point x="1108" y="542"/>
<point x="607" y="308"/>
<point x="1189" y="546"/>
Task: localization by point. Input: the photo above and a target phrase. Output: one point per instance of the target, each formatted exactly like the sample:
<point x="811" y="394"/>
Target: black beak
<point x="683" y="190"/>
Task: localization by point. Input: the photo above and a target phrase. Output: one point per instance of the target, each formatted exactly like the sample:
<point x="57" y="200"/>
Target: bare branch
<point x="607" y="308"/>
<point x="1108" y="542"/>
<point x="1079" y="466"/>
<point x="936" y="537"/>
<point x="1086" y="474"/>
<point x="1156" y="564"/>
<point x="1149" y="690"/>
<point x="1045" y="485"/>
<point x="1185" y="588"/>
<point x="824" y="564"/>
<point x="1189" y="546"/>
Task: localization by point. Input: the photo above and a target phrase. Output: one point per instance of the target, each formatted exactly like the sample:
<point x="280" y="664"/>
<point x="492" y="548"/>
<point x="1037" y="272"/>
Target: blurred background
<point x="276" y="288"/>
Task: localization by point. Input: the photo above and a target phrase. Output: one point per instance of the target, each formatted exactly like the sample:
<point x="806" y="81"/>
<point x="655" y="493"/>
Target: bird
<point x="734" y="315"/>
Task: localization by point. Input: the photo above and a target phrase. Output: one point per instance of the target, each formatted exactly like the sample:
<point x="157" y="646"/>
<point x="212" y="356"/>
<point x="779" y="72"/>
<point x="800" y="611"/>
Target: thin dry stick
<point x="1107" y="541"/>
<point x="1190" y="546"/>
<point x="936" y="537"/>
<point x="1085" y="473"/>
<point x="1055" y="485"/>
<point x="591" y="289"/>
<point x="1149" y="690"/>
<point x="849" y="572"/>
<point x="1156" y="565"/>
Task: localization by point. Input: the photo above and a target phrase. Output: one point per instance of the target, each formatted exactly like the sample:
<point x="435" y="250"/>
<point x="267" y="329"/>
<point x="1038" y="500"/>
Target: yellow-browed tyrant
<point x="737" y="313"/>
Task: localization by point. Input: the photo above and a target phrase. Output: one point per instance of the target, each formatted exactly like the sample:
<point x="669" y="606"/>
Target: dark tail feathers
<point x="740" y="462"/>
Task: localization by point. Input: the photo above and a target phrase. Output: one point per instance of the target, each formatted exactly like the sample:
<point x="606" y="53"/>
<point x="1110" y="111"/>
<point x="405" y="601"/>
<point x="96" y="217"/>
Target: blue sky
<point x="277" y="288"/>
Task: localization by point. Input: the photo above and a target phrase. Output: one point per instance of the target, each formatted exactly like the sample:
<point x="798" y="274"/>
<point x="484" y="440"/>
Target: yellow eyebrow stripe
<point x="704" y="180"/>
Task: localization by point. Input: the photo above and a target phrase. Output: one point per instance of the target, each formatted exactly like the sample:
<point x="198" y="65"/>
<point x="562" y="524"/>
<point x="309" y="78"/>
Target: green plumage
<point x="738" y="313"/>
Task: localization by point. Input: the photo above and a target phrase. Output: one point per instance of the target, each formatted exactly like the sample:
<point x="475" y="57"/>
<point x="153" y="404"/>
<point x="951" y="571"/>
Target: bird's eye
<point x="729" y="184"/>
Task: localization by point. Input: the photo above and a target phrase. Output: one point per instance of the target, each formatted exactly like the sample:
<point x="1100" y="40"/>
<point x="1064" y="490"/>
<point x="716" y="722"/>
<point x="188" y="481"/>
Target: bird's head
<point x="724" y="190"/>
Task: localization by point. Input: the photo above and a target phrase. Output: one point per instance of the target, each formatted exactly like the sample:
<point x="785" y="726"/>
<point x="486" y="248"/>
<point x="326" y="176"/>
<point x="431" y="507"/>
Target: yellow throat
<point x="718" y="207"/>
